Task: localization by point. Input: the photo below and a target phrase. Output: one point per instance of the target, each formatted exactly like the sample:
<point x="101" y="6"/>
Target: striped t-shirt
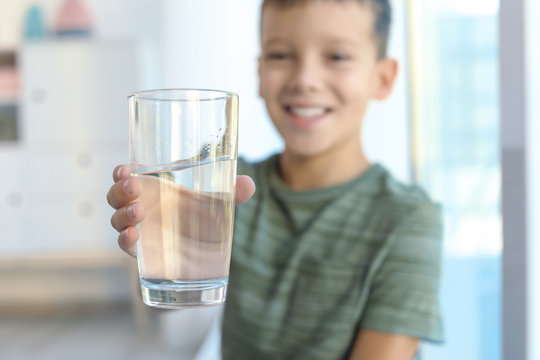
<point x="311" y="268"/>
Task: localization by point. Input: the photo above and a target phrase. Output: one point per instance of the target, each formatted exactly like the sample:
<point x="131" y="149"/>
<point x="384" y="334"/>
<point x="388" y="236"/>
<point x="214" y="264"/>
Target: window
<point x="455" y="112"/>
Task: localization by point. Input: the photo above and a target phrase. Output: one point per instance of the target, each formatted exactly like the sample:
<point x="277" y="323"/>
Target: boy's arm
<point x="403" y="302"/>
<point x="376" y="345"/>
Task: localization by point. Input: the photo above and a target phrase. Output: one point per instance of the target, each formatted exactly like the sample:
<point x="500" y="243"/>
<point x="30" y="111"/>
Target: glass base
<point x="175" y="294"/>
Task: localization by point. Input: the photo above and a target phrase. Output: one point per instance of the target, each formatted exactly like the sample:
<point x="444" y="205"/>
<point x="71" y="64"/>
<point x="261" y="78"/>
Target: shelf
<point x="9" y="102"/>
<point x="71" y="122"/>
<point x="65" y="259"/>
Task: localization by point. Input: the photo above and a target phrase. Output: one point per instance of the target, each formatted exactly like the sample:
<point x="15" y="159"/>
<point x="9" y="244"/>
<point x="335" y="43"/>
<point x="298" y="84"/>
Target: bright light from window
<point x="467" y="7"/>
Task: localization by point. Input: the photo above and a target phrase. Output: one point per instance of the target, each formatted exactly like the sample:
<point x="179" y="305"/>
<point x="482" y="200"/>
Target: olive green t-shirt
<point x="311" y="268"/>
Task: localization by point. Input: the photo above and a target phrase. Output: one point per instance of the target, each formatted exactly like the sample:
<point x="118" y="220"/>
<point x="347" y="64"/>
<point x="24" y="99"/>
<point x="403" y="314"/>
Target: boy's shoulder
<point x="397" y="190"/>
<point x="402" y="199"/>
<point x="252" y="168"/>
<point x="377" y="182"/>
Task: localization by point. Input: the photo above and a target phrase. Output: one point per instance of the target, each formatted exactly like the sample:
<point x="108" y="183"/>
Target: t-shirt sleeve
<point x="244" y="168"/>
<point x="404" y="297"/>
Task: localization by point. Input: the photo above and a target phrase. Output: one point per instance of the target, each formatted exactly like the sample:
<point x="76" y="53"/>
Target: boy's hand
<point x="125" y="192"/>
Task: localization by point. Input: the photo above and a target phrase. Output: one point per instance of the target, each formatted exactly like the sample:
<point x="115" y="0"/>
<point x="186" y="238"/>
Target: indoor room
<point x="456" y="121"/>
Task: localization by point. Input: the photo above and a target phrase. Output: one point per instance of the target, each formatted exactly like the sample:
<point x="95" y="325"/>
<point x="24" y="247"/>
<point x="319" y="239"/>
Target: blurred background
<point x="459" y="123"/>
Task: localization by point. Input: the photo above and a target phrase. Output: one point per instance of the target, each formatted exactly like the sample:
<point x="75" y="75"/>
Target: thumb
<point x="245" y="188"/>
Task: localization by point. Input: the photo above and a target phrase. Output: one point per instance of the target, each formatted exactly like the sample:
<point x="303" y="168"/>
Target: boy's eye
<point x="337" y="57"/>
<point x="277" y="56"/>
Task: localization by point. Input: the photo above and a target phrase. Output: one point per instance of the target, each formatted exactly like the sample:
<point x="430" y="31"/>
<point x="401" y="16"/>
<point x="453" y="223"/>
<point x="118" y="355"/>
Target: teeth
<point x="307" y="112"/>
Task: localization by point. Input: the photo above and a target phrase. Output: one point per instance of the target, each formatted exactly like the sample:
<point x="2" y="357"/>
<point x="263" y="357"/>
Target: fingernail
<point x="119" y="172"/>
<point x="126" y="187"/>
<point x="131" y="211"/>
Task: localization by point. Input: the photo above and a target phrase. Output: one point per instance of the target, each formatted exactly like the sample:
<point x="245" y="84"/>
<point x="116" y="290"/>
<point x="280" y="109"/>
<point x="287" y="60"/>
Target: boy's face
<point x="318" y="70"/>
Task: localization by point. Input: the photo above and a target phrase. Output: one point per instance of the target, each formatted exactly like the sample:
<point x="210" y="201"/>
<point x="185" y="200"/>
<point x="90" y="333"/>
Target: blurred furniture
<point x="73" y="131"/>
<point x="9" y="91"/>
<point x="73" y="19"/>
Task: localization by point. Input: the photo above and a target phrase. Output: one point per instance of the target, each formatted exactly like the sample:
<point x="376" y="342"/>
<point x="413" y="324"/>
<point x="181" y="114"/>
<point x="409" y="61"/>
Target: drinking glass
<point x="183" y="148"/>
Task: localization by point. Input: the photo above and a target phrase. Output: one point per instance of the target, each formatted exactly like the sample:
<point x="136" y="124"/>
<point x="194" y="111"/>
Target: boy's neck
<point x="321" y="171"/>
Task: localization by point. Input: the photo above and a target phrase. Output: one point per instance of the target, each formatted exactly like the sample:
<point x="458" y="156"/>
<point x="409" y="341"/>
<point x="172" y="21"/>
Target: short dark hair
<point x="383" y="18"/>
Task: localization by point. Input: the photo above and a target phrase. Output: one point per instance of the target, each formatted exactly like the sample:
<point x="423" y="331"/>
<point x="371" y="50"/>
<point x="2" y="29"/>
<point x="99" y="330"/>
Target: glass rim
<point x="190" y="94"/>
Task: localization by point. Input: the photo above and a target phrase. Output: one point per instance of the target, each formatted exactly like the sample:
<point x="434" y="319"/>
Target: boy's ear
<point x="387" y="70"/>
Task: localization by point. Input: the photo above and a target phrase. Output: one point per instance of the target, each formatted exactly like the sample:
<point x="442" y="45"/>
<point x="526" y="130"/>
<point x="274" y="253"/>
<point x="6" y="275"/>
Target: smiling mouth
<point x="307" y="112"/>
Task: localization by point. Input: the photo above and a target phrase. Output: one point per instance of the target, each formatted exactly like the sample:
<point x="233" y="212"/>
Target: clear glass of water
<point x="183" y="148"/>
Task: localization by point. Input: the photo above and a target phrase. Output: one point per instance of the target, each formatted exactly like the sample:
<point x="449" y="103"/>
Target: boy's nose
<point x="306" y="77"/>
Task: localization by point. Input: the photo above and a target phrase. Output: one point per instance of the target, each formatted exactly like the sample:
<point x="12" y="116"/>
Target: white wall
<point x="11" y="15"/>
<point x="387" y="133"/>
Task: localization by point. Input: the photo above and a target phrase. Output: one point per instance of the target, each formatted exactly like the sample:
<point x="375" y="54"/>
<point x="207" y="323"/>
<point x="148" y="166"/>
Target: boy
<point x="332" y="258"/>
